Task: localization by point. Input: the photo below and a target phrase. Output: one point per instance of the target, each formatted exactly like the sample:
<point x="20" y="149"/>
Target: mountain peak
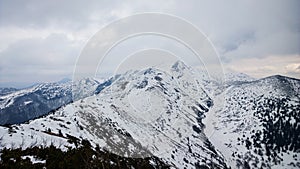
<point x="165" y="113"/>
<point x="179" y="65"/>
<point x="232" y="76"/>
<point x="281" y="77"/>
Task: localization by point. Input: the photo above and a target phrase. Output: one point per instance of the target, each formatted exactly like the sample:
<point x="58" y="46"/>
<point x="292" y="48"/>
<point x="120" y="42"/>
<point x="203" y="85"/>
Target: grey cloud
<point x="73" y="14"/>
<point x="272" y="26"/>
<point x="43" y="58"/>
<point x="238" y="29"/>
<point x="293" y="69"/>
<point x="234" y="42"/>
<point x="40" y="14"/>
<point x="51" y="50"/>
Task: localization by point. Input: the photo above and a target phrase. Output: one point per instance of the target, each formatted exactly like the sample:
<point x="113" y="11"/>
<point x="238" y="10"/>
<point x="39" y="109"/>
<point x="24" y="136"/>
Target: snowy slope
<point x="141" y="113"/>
<point x="233" y="77"/>
<point x="7" y="90"/>
<point x="259" y="125"/>
<point x="180" y="115"/>
<point x="26" y="104"/>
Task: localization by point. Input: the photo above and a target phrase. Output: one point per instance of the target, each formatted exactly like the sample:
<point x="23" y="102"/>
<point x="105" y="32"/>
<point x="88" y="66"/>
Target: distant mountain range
<point x="175" y="115"/>
<point x="18" y="106"/>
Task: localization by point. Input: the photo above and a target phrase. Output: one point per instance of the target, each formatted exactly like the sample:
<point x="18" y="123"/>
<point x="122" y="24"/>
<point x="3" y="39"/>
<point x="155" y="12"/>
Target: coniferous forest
<point x="83" y="157"/>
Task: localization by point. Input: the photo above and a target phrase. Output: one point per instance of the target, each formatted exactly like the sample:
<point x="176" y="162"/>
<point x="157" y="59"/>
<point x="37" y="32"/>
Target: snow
<point x="8" y="100"/>
<point x="27" y="102"/>
<point x="226" y="123"/>
<point x="33" y="159"/>
<point x="148" y="110"/>
<point x="159" y="117"/>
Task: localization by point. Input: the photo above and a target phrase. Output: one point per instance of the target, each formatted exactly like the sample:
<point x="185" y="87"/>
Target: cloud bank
<point x="40" y="41"/>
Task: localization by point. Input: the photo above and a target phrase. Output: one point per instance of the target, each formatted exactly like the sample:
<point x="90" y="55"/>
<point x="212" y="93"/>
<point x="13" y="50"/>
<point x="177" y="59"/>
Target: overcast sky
<point x="41" y="40"/>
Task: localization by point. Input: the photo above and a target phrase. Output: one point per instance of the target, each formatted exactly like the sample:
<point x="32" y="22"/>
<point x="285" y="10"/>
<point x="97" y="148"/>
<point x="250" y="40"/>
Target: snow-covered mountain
<point x="259" y="124"/>
<point x="7" y="90"/>
<point x="142" y="113"/>
<point x="18" y="106"/>
<point x="233" y="77"/>
<point x="181" y="116"/>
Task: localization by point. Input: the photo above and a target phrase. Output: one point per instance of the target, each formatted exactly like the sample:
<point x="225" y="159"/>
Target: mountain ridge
<point x="152" y="112"/>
